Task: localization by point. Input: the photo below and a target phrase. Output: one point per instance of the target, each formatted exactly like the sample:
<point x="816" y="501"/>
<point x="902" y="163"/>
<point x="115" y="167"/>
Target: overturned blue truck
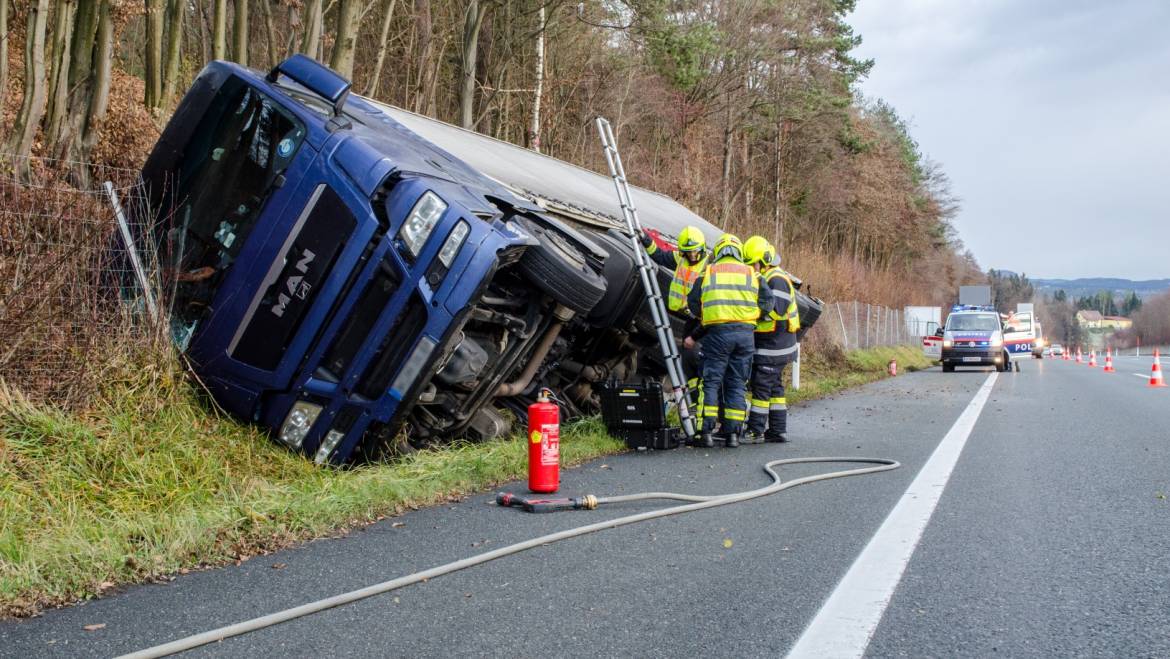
<point x="362" y="280"/>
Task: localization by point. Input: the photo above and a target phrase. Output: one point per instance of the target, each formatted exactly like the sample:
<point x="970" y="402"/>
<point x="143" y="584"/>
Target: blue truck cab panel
<point x="326" y="264"/>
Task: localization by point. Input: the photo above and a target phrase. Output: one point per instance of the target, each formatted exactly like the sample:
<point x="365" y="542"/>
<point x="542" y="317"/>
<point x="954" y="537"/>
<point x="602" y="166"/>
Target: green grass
<point x="150" y="482"/>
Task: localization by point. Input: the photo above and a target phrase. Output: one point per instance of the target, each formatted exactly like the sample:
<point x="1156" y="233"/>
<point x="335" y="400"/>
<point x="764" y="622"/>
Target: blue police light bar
<point x="971" y="307"/>
<point x="316" y="77"/>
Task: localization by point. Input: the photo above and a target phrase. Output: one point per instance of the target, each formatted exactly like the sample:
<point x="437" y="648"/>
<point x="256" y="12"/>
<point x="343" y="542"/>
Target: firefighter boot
<point x="732" y="440"/>
<point x="705" y="440"/>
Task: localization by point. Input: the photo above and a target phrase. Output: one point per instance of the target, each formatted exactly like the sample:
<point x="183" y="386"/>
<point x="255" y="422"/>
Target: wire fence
<point x="858" y="325"/>
<point x="70" y="300"/>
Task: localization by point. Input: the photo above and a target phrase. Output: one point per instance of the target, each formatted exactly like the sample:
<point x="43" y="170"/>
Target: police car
<point x="980" y="336"/>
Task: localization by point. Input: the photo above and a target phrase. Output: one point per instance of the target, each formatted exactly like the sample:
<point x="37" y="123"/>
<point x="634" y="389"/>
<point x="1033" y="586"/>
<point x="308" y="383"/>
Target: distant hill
<point x="1090" y="285"/>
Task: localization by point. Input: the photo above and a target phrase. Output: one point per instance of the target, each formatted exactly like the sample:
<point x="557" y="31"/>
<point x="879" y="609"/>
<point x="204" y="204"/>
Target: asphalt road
<point x="1051" y="538"/>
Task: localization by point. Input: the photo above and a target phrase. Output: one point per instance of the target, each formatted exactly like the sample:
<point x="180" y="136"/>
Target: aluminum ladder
<point x="648" y="269"/>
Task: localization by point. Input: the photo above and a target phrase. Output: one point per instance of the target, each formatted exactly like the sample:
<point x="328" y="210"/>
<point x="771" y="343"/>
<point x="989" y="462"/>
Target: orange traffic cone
<point x="1156" y="373"/>
<point x="1092" y="359"/>
<point x="1079" y="355"/>
<point x="1065" y="356"/>
<point x="1108" y="361"/>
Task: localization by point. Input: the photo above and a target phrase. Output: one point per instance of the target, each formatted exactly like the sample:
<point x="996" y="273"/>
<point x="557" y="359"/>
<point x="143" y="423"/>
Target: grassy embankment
<point x="149" y="483"/>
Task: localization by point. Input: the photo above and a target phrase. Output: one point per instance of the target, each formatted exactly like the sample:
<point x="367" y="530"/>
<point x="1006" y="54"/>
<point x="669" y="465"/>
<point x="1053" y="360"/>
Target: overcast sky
<point x="1052" y="118"/>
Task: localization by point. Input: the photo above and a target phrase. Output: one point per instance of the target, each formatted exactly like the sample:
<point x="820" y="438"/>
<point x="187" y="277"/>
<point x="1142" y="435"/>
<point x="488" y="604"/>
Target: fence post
<point x="132" y="250"/>
<point x="796" y="368"/>
<point x="843" y="332"/>
<point x="868" y="312"/>
<point x="856" y="328"/>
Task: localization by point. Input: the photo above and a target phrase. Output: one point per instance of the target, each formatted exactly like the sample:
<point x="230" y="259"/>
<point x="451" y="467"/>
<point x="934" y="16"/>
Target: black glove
<point x="647" y="241"/>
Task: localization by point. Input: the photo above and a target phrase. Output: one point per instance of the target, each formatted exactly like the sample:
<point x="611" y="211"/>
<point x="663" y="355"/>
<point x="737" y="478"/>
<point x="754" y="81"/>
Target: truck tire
<point x="560" y="269"/>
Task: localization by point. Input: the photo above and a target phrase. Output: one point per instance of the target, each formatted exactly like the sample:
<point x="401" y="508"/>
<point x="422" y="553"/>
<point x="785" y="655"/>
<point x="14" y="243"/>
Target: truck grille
<point x="353" y="333"/>
<point x="394" y="347"/>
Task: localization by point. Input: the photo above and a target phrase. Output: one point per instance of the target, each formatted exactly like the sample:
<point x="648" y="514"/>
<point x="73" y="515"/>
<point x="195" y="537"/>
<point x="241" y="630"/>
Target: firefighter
<point x="688" y="263"/>
<point x="775" y="337"/>
<point x="727" y="300"/>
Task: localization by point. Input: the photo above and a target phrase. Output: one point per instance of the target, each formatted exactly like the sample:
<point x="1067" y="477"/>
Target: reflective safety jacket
<point x="730" y="292"/>
<point x="685" y="276"/>
<point x="776" y="330"/>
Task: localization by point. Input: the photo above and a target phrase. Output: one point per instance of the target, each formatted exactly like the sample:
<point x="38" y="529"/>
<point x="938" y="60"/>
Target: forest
<point x="749" y="112"/>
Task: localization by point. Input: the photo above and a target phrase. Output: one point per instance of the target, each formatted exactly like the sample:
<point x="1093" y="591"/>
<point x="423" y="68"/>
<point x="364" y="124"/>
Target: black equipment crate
<point x="659" y="439"/>
<point x="636" y="413"/>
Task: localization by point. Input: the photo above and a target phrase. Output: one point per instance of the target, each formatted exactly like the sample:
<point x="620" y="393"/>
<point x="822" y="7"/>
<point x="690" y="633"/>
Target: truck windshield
<point x="241" y="146"/>
<point x="981" y="322"/>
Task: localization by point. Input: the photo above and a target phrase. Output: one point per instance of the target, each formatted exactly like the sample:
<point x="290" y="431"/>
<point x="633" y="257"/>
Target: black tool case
<point x="636" y="413"/>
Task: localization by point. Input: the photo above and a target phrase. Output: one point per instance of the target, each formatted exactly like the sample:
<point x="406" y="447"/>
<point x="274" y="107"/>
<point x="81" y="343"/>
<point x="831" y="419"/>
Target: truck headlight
<point x="298" y="422"/>
<point x="332" y="439"/>
<point x="421" y="222"/>
<point x="413" y="366"/>
<point x="453" y="243"/>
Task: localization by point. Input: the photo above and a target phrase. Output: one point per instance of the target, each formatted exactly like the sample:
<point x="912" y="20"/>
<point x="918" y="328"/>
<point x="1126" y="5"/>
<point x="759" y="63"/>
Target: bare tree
<point x="269" y="32"/>
<point x="99" y="100"/>
<point x="219" y="31"/>
<point x="240" y="33"/>
<point x="538" y="85"/>
<point x="313" y="19"/>
<point x="32" y="108"/>
<point x="472" y="24"/>
<point x="59" y="85"/>
<point x="423" y="28"/>
<point x="372" y="90"/>
<point x="348" y="14"/>
<point x="174" y="41"/>
<point x="3" y="51"/>
<point x="154" y="50"/>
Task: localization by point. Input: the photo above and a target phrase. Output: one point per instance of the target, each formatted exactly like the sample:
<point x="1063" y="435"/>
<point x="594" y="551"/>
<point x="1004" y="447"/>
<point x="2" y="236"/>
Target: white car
<point x="1057" y="350"/>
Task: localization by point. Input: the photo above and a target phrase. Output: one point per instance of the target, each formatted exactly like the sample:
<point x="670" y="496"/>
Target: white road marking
<point x="848" y="619"/>
<point x="1143" y="375"/>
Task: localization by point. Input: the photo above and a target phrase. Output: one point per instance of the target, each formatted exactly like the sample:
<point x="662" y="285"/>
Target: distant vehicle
<point x="1057" y="350"/>
<point x="973" y="336"/>
<point x="1038" y="348"/>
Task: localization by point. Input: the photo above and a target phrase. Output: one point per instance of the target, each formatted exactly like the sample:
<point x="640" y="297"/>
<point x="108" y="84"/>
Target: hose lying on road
<point x="700" y="503"/>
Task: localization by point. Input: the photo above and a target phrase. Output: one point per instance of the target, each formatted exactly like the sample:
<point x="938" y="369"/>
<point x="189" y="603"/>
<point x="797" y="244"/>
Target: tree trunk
<point x="422" y="21"/>
<point x="59" y="85"/>
<point x="32" y="108"/>
<point x="341" y="59"/>
<point x="312" y="41"/>
<point x="219" y="31"/>
<point x="99" y="100"/>
<point x="174" y="40"/>
<point x="725" y="178"/>
<point x="84" y="28"/>
<point x="3" y="52"/>
<point x="269" y="32"/>
<point x="538" y="88"/>
<point x="240" y="33"/>
<point x="153" y="55"/>
<point x="777" y="200"/>
<point x="372" y="90"/>
<point x="472" y="22"/>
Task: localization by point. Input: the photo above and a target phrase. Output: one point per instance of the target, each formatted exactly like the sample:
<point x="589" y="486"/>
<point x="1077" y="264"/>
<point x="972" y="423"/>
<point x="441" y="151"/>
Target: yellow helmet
<point x="757" y="249"/>
<point x="691" y="239"/>
<point x="727" y="245"/>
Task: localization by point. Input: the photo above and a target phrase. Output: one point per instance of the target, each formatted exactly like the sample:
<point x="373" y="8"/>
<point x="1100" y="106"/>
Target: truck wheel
<point x="558" y="267"/>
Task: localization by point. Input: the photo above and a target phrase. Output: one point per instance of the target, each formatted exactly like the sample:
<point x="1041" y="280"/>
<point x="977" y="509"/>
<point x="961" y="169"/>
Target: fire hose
<point x="695" y="502"/>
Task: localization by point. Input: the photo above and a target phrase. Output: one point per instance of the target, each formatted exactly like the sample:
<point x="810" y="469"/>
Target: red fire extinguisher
<point x="544" y="445"/>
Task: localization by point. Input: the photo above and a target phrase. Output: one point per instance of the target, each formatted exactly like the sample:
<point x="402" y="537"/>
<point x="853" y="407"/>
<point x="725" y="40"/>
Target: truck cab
<point x="356" y="289"/>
